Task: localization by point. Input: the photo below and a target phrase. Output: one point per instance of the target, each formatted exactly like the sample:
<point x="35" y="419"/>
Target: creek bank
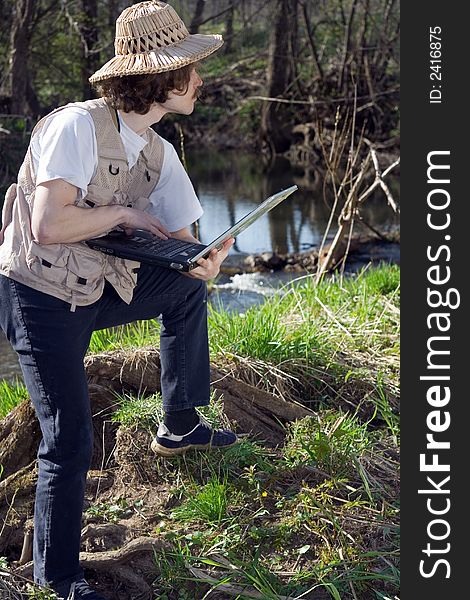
<point x="359" y="251"/>
<point x="122" y="466"/>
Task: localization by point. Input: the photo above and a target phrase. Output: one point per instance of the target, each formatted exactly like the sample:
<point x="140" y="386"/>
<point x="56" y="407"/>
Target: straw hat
<point x="151" y="38"/>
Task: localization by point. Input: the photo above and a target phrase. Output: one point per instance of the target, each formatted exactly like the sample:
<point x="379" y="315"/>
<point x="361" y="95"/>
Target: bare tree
<point x="197" y="17"/>
<point x="228" y="37"/>
<point x="311" y="40"/>
<point x="89" y="38"/>
<point x="17" y="84"/>
<point x="280" y="75"/>
<point x="113" y="13"/>
<point x="347" y="45"/>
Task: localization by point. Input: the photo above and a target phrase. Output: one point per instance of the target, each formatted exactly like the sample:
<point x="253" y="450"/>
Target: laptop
<point x="145" y="247"/>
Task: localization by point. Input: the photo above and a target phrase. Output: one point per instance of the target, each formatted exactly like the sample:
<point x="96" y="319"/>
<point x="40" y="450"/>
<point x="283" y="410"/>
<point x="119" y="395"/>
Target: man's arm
<point x="56" y="219"/>
<point x="185" y="234"/>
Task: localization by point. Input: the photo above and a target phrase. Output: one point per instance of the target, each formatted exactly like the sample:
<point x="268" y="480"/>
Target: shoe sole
<point x="164" y="451"/>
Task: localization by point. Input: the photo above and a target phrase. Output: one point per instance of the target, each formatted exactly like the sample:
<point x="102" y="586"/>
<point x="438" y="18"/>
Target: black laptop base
<point x="172" y="253"/>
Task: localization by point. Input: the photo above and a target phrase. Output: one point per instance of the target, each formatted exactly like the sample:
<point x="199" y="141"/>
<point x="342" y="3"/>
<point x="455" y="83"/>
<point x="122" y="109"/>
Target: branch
<point x="219" y="14"/>
<point x="280" y="100"/>
<point x="379" y="179"/>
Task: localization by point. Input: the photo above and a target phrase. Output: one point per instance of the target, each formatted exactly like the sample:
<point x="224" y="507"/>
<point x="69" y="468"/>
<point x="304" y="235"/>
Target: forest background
<point x="288" y="69"/>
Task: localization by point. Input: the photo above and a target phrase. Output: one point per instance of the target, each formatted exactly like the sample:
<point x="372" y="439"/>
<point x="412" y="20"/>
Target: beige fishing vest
<point x="74" y="272"/>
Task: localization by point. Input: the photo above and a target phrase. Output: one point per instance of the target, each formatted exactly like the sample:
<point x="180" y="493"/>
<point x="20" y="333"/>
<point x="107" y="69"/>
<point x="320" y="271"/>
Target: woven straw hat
<point x="151" y="38"/>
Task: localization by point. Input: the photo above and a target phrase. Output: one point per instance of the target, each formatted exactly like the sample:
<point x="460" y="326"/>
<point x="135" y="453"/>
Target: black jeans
<point x="51" y="342"/>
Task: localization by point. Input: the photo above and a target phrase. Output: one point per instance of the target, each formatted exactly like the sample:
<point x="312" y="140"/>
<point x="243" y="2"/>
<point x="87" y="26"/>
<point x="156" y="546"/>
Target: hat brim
<point x="193" y="48"/>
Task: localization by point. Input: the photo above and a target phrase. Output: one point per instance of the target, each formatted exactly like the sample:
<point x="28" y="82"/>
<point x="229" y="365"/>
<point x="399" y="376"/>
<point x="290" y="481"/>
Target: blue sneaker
<point x="81" y="590"/>
<point x="200" y="438"/>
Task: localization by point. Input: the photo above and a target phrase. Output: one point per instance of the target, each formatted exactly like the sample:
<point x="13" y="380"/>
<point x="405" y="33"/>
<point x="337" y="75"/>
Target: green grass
<point x="332" y="444"/>
<point x="283" y="521"/>
<point x="305" y="319"/>
<point x="11" y="394"/>
<point x="147" y="411"/>
<point x="321" y="511"/>
<point x="133" y="335"/>
<point x="332" y="342"/>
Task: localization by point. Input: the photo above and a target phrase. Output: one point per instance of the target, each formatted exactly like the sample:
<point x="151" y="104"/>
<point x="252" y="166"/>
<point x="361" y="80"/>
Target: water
<point x="231" y="184"/>
<point x="9" y="367"/>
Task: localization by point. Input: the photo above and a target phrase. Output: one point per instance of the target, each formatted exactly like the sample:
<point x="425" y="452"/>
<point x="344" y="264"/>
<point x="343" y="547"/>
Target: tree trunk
<point x="17" y="83"/>
<point x="228" y="37"/>
<point x="342" y="85"/>
<point x="252" y="409"/>
<point x="90" y="34"/>
<point x="313" y="46"/>
<point x="280" y="76"/>
<point x="113" y="14"/>
<point x="197" y="18"/>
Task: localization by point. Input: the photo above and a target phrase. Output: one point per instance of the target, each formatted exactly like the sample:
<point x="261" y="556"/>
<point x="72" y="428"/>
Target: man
<point x="92" y="167"/>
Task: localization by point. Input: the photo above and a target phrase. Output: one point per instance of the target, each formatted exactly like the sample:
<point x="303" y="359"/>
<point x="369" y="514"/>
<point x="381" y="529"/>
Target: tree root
<point x="127" y="565"/>
<point x="253" y="410"/>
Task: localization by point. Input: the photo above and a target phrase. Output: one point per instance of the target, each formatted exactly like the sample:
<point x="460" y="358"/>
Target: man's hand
<point x="139" y="219"/>
<point x="209" y="267"/>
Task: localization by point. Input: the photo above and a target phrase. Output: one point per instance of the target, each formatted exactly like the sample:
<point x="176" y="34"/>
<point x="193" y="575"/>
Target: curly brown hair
<point x="137" y="93"/>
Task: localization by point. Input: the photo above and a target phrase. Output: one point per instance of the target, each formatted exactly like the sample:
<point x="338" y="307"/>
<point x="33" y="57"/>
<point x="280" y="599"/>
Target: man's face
<point x="183" y="104"/>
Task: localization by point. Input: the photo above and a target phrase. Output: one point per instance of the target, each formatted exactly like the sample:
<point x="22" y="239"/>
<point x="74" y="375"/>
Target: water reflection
<point x="232" y="184"/>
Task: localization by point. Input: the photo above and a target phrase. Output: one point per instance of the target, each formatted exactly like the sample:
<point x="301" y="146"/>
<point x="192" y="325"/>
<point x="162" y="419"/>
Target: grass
<point x="322" y="510"/>
<point x="11" y="394"/>
<point x="280" y="523"/>
<point x="327" y="343"/>
<point x="147" y="411"/>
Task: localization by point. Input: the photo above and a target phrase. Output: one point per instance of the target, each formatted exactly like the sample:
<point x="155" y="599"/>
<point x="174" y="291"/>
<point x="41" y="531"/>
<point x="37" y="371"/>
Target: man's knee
<point x="195" y="288"/>
<point x="70" y="449"/>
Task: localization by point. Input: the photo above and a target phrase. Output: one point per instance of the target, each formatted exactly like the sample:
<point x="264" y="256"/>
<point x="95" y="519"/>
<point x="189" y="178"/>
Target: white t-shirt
<point x="66" y="148"/>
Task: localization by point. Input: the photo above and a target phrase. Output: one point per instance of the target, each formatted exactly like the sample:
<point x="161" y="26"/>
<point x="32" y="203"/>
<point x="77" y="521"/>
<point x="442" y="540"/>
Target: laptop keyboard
<point x="166" y="248"/>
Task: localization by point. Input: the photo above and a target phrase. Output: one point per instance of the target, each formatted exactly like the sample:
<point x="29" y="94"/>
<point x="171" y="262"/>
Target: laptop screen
<point x="248" y="219"/>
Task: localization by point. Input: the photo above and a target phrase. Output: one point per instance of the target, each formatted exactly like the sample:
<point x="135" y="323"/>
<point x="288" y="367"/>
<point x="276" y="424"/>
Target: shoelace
<point x="81" y="586"/>
<point x="72" y="591"/>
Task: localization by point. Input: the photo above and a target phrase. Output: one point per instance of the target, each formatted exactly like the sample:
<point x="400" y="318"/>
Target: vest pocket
<point x="73" y="268"/>
<point x="85" y="270"/>
<point x="49" y="261"/>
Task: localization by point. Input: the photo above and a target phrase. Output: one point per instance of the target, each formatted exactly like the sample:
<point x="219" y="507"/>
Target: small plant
<point x="385" y="411"/>
<point x="333" y="443"/>
<point x="142" y="410"/>
<point x="35" y="593"/>
<point x="118" y="509"/>
<point x="209" y="504"/>
<point x="172" y="570"/>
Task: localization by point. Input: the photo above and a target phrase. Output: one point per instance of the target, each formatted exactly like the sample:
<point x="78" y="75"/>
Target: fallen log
<point x="253" y="411"/>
